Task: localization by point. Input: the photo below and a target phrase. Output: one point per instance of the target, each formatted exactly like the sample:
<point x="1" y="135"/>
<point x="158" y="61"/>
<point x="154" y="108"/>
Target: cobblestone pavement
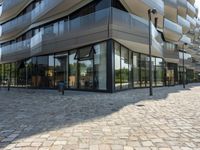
<point x="127" y="120"/>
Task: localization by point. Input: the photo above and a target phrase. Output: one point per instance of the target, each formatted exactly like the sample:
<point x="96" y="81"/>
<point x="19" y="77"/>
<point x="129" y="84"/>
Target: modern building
<point x="98" y="45"/>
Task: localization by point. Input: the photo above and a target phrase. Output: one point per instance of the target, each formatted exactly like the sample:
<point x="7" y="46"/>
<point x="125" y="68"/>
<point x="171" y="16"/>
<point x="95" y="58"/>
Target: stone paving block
<point x="40" y="119"/>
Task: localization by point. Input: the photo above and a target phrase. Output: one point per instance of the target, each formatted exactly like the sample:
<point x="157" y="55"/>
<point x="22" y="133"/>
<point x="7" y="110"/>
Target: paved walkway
<point x="128" y="120"/>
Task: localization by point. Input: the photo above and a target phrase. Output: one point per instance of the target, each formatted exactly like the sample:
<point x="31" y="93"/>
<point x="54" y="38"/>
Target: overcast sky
<point x="198" y="5"/>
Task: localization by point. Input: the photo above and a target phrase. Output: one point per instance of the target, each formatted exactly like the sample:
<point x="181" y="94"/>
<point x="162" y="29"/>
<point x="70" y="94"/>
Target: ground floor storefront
<point x="105" y="66"/>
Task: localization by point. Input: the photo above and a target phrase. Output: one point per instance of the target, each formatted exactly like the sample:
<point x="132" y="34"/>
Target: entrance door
<point x="170" y="77"/>
<point x="61" y="69"/>
<point x="85" y="74"/>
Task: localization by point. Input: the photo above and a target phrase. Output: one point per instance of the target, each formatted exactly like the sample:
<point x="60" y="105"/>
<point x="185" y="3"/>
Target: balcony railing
<point x="8" y="4"/>
<point x="137" y="26"/>
<point x="172" y="31"/>
<point x="71" y="29"/>
<point x="191" y="1"/>
<point x="43" y="8"/>
<point x="170" y="53"/>
<point x="191" y="9"/>
<point x="18" y="23"/>
<point x="1" y="9"/>
<point x="25" y="20"/>
<point x="192" y="21"/>
<point x="186" y="39"/>
<point x="182" y="8"/>
<point x="15" y="48"/>
<point x="172" y="3"/>
<point x="90" y="28"/>
<point x="158" y="4"/>
<point x="184" y="23"/>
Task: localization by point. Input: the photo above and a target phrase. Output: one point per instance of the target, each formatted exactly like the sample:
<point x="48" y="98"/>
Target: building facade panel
<point x="98" y="45"/>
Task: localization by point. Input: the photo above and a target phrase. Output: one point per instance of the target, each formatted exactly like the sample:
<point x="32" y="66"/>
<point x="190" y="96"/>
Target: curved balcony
<point x="1" y="9"/>
<point x="95" y="27"/>
<point x="71" y="34"/>
<point x="197" y="22"/>
<point x="16" y="51"/>
<point x="191" y="1"/>
<point x="9" y="4"/>
<point x="182" y="8"/>
<point x="191" y="10"/>
<point x="43" y="8"/>
<point x="192" y="22"/>
<point x="172" y="31"/>
<point x="171" y="10"/>
<point x="140" y="8"/>
<point x="184" y="23"/>
<point x="170" y="53"/>
<point x="11" y="8"/>
<point x="186" y="39"/>
<point x="16" y="25"/>
<point x="42" y="11"/>
<point x="132" y="31"/>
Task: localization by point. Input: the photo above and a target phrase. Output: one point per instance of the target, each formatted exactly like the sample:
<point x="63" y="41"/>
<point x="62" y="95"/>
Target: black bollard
<point x="8" y="85"/>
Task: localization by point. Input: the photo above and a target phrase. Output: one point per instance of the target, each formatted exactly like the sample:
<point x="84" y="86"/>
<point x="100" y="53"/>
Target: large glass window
<point x="7" y="71"/>
<point x="147" y="71"/>
<point x="143" y="70"/>
<point x="159" y="72"/>
<point x="61" y="69"/>
<point x="86" y="74"/>
<point x="117" y="66"/>
<point x="34" y="72"/>
<point x="100" y="66"/>
<point x="50" y="72"/>
<point x="72" y="69"/>
<point x="42" y="70"/>
<point x="153" y="62"/>
<point x="130" y="68"/>
<point x="85" y="67"/>
<point x="21" y="74"/>
<point x="28" y="67"/>
<point x="136" y="70"/>
<point x="13" y="74"/>
<point x="1" y="73"/>
<point x="124" y="68"/>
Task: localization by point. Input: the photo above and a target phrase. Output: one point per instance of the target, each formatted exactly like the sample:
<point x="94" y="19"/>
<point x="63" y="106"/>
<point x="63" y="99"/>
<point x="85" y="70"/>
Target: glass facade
<point x="171" y="74"/>
<point x="132" y="69"/>
<point x="84" y="68"/>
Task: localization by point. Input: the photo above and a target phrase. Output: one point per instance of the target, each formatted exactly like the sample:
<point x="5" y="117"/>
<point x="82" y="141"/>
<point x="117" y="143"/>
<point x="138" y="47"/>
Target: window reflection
<point x="117" y="66"/>
<point x="136" y="70"/>
<point x="100" y="66"/>
<point x="42" y="72"/>
<point x="50" y="72"/>
<point x="124" y="68"/>
<point x="86" y="74"/>
<point x="72" y="69"/>
<point x="159" y="72"/>
<point x="132" y="69"/>
<point x="61" y="69"/>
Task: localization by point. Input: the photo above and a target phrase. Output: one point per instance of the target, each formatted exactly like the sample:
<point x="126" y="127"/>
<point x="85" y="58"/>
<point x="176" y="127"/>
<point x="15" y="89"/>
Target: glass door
<point x="61" y="69"/>
<point x="85" y="74"/>
<point x="170" y="77"/>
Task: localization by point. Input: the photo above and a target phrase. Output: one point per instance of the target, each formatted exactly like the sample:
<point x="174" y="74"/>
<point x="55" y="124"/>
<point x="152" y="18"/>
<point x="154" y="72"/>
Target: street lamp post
<point x="150" y="11"/>
<point x="185" y="44"/>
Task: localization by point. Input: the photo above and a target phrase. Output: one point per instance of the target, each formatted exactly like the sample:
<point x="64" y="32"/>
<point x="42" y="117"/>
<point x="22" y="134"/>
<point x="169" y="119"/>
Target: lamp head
<point x="154" y="11"/>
